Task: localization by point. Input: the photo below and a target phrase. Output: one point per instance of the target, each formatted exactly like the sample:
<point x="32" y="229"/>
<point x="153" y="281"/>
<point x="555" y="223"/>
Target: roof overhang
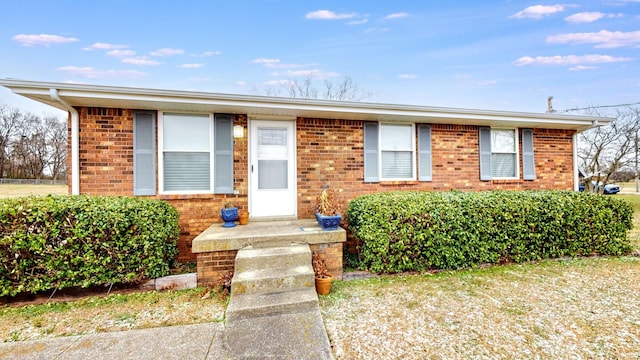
<point x="81" y="95"/>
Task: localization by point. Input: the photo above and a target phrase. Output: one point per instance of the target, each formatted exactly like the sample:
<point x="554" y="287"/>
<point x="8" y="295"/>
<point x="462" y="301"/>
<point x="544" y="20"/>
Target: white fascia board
<point x="255" y="105"/>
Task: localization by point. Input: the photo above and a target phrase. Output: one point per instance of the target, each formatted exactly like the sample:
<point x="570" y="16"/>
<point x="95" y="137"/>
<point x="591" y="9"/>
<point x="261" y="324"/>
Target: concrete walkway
<point x="201" y="341"/>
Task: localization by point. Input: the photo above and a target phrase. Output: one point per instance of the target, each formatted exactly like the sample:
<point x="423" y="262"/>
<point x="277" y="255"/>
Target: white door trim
<point x="288" y="201"/>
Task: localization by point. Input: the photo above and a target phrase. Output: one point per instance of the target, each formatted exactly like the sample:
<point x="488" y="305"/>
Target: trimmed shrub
<point x="79" y="241"/>
<point x="416" y="231"/>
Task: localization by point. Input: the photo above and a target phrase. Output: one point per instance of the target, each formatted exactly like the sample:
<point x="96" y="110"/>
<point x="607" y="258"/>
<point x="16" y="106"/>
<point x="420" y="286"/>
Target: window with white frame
<point x="186" y="152"/>
<point x="397" y="149"/>
<point x="504" y="153"/>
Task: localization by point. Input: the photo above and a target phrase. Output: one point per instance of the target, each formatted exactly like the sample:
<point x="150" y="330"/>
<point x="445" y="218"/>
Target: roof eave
<point x="169" y="100"/>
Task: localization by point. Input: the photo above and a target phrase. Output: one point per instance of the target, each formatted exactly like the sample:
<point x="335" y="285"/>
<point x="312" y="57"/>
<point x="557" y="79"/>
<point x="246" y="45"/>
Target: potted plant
<point x="243" y="217"/>
<point x="229" y="214"/>
<point x="323" y="278"/>
<point x="328" y="210"/>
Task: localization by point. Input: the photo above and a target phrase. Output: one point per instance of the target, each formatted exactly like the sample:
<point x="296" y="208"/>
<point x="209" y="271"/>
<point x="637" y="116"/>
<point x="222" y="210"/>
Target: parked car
<point x="608" y="188"/>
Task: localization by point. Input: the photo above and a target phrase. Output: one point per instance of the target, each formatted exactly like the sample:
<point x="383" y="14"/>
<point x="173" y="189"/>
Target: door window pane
<point x="272" y="174"/>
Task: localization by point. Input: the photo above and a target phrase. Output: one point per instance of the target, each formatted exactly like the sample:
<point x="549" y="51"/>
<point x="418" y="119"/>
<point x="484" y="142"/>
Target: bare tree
<point x="31" y="146"/>
<point x="57" y="143"/>
<point x="10" y="124"/>
<point x="346" y="90"/>
<point x="607" y="149"/>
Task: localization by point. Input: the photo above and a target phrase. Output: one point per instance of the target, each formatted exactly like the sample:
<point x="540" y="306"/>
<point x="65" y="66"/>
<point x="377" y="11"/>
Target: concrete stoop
<point x="273" y="312"/>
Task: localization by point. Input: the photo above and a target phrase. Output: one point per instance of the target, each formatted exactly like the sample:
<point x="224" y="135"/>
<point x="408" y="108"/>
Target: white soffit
<point x="79" y="95"/>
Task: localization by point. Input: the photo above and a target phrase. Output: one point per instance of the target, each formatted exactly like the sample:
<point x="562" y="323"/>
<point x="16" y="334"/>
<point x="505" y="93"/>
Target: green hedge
<point x="415" y="231"/>
<point x="67" y="241"/>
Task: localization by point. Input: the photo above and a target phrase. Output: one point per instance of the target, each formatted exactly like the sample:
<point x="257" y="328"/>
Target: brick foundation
<point x="332" y="255"/>
<point x="213" y="265"/>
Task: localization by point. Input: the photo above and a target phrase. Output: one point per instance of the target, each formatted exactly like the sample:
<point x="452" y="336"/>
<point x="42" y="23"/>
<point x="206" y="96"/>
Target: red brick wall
<point x="106" y="168"/>
<point x="332" y="255"/>
<point x="330" y="154"/>
<point x="106" y="151"/>
<point x="212" y="266"/>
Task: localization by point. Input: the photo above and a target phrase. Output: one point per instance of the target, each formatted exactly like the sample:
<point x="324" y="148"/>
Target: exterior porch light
<point x="238" y="131"/>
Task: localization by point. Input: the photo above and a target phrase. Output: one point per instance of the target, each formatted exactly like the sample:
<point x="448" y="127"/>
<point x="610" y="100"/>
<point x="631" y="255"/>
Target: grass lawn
<point x="110" y="313"/>
<point x="567" y="309"/>
<point x="16" y="190"/>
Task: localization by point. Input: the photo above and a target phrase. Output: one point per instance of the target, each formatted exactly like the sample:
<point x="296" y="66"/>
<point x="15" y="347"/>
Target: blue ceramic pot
<point x="229" y="215"/>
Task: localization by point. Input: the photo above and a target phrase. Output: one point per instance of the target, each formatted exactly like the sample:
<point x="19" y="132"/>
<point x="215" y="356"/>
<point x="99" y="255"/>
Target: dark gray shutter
<point x="223" y="154"/>
<point x="528" y="163"/>
<point x="371" y="148"/>
<point x="485" y="153"/>
<point x="144" y="154"/>
<point x="424" y="152"/>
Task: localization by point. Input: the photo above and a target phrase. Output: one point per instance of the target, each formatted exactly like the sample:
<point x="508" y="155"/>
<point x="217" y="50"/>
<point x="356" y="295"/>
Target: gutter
<point x="576" y="174"/>
<point x="75" y="143"/>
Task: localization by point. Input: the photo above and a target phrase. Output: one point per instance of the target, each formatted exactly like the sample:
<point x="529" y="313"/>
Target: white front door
<point x="272" y="168"/>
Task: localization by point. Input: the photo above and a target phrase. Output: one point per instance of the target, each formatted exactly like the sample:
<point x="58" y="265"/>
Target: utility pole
<point x="637" y="161"/>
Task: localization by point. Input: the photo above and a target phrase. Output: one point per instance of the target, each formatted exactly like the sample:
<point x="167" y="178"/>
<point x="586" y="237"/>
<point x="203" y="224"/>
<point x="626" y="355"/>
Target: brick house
<point x="273" y="156"/>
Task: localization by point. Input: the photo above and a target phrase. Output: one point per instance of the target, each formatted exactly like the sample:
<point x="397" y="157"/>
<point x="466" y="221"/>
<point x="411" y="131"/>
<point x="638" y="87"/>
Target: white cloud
<point x="569" y="60"/>
<point x="407" y="76"/>
<point x="105" y="46"/>
<point x="311" y="73"/>
<point x="91" y="73"/>
<point x="141" y="60"/>
<point x="603" y="39"/>
<point x="240" y="83"/>
<point x="42" y="39"/>
<point x="207" y="54"/>
<point x="121" y="53"/>
<point x="582" y="67"/>
<point x="376" y="30"/>
<point x="589" y="17"/>
<point x="278" y="83"/>
<point x="265" y="61"/>
<point x="487" y="82"/>
<point x="538" y="11"/>
<point x="358" y="22"/>
<point x="328" y="15"/>
<point x="395" y="16"/>
<point x="167" y="52"/>
<point x="190" y="66"/>
<point x="276" y="64"/>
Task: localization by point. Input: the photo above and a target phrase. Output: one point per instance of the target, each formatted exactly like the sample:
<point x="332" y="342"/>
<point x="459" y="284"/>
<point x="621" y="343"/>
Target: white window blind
<point x="186" y="152"/>
<point x="397" y="142"/>
<point x="503" y="153"/>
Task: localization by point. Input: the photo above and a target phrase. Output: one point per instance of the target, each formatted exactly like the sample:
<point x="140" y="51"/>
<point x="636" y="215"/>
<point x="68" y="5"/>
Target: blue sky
<point x="499" y="55"/>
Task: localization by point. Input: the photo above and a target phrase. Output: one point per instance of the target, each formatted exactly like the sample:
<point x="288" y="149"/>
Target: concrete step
<point x="291" y="335"/>
<point x="277" y="257"/>
<point x="247" y="306"/>
<point x="272" y="280"/>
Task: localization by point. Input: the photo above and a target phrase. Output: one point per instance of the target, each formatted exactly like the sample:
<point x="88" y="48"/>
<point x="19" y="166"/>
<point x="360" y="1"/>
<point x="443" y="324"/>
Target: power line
<point x="597" y="107"/>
